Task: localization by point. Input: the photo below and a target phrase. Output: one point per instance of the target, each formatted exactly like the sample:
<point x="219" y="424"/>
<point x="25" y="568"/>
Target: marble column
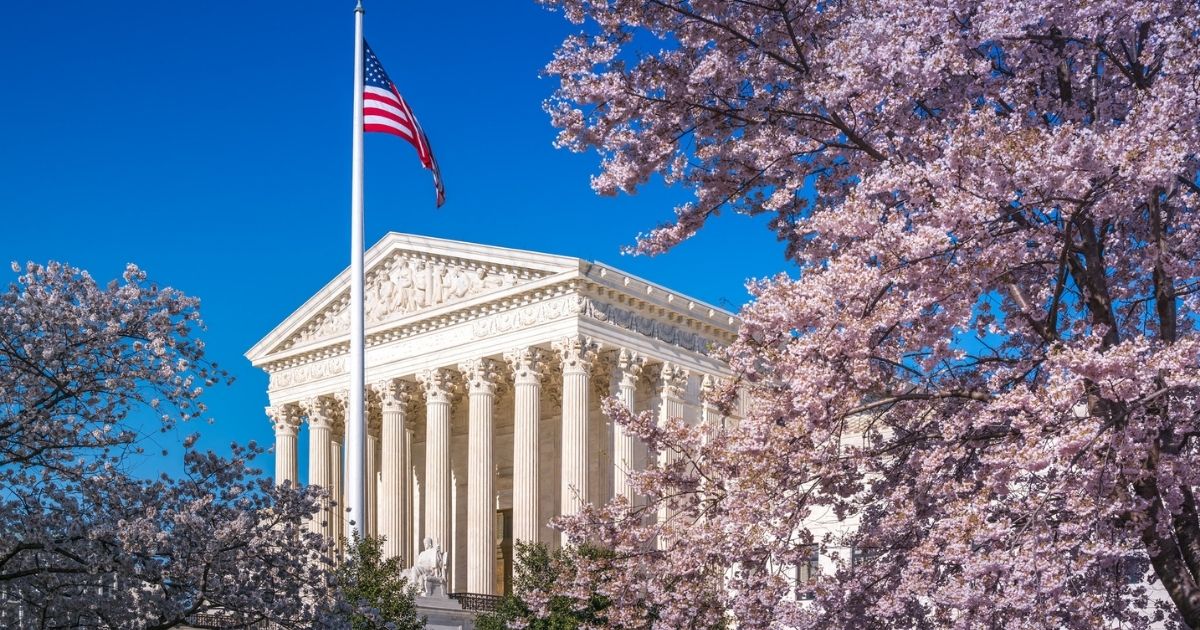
<point x="394" y="399"/>
<point x="482" y="377"/>
<point x="710" y="416"/>
<point x="528" y="365"/>
<point x="626" y="372"/>
<point x="371" y="483"/>
<point x="412" y="497"/>
<point x="320" y="429"/>
<point x="337" y="482"/>
<point x="577" y="355"/>
<point x="673" y="383"/>
<point x="439" y="389"/>
<point x="287" y="424"/>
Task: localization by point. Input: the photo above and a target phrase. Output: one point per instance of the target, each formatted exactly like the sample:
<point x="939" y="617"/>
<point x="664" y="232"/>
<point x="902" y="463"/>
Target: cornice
<point x="593" y="300"/>
<point x="602" y="275"/>
<point x="601" y="293"/>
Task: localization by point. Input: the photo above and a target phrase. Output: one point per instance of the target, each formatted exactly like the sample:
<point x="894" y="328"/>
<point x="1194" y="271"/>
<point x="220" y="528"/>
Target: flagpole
<point x="355" y="418"/>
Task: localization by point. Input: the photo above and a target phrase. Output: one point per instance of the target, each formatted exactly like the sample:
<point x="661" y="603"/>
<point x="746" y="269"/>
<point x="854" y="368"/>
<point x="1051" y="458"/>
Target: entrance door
<point x="504" y="551"/>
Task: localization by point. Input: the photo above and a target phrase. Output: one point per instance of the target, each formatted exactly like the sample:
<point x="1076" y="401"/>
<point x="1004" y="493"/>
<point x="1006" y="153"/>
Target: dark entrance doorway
<point x="504" y="551"/>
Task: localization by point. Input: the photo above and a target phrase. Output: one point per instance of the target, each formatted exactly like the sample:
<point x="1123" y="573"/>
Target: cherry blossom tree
<point x="985" y="364"/>
<point x="84" y="543"/>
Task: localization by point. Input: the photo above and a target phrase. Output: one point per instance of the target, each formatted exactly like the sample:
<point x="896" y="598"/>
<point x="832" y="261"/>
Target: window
<point x="807" y="571"/>
<point x="1135" y="568"/>
<point x="861" y="556"/>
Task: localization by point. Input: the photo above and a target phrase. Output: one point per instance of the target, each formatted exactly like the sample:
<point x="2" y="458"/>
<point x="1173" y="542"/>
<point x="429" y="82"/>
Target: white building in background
<point x="486" y="369"/>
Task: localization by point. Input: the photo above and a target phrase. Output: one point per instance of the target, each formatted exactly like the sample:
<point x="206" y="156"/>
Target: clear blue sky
<point x="209" y="142"/>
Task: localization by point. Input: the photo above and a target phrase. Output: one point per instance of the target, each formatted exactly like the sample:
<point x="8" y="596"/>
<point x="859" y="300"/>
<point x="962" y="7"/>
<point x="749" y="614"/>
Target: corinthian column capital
<point x="395" y="394"/>
<point x="577" y="353"/>
<point x="284" y="418"/>
<point x="673" y="380"/>
<point x="528" y="364"/>
<point x="481" y="375"/>
<point x="338" y="401"/>
<point x="439" y="384"/>
<point x="711" y="387"/>
<point x="627" y="368"/>
<point x="321" y="411"/>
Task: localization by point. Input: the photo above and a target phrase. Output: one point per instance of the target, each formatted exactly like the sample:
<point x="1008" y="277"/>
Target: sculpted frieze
<point x="308" y="372"/>
<point x="648" y="326"/>
<point x="392" y="352"/>
<point x="572" y="305"/>
<point x="526" y="316"/>
<point x="418" y="345"/>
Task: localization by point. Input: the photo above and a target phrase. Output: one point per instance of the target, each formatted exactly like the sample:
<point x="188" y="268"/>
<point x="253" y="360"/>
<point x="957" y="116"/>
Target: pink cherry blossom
<point x="85" y="543"/>
<point x="985" y="370"/>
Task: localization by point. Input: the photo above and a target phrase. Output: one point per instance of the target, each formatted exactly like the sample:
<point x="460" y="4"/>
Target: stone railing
<point x="477" y="602"/>
<point x="225" y="620"/>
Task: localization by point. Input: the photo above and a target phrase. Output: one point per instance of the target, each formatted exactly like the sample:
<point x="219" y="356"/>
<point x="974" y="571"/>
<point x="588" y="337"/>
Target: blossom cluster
<point x="987" y="364"/>
<point x="84" y="542"/>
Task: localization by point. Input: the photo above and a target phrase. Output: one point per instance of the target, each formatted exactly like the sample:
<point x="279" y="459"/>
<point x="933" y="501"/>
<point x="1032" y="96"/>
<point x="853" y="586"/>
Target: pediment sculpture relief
<point x="403" y="285"/>
<point x="406" y="285"/>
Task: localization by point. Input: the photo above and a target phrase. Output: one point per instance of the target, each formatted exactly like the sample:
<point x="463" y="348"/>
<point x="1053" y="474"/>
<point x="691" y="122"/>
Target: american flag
<point x="385" y="111"/>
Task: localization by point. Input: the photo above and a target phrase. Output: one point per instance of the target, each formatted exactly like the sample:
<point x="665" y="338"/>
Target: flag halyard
<point x="386" y="111"/>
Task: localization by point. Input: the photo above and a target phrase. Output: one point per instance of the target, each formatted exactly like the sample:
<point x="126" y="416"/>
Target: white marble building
<point x="486" y="368"/>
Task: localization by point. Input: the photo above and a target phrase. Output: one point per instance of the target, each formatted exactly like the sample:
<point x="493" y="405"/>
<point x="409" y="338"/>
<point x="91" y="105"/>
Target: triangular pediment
<point x="406" y="276"/>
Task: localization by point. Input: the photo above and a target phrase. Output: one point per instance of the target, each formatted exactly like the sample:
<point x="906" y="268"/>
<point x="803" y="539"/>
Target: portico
<point x="486" y="368"/>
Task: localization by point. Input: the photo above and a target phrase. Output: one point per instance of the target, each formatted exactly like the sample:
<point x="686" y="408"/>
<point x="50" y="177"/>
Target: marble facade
<point x="486" y="368"/>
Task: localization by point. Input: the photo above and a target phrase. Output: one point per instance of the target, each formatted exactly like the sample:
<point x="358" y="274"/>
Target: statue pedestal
<point x="444" y="613"/>
<point x="428" y="574"/>
<point x="435" y="588"/>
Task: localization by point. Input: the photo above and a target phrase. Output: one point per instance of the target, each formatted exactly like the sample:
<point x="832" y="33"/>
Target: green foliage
<point x="537" y="570"/>
<point x="374" y="588"/>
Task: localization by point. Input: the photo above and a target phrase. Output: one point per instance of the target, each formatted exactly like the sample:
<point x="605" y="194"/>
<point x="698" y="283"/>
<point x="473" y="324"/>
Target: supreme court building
<point x="486" y="367"/>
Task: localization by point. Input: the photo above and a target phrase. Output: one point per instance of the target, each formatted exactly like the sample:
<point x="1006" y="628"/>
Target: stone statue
<point x="421" y="285"/>
<point x="436" y="283"/>
<point x="428" y="573"/>
<point x="402" y="276"/>
<point x="460" y="283"/>
<point x="495" y="280"/>
<point x="383" y="301"/>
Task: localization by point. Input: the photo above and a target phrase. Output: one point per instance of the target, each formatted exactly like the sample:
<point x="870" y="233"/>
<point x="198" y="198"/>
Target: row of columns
<point x="390" y="513"/>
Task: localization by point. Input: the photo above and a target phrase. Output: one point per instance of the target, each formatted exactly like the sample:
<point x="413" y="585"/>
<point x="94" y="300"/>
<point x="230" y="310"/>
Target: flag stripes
<point x="382" y="111"/>
<point x="385" y="111"/>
